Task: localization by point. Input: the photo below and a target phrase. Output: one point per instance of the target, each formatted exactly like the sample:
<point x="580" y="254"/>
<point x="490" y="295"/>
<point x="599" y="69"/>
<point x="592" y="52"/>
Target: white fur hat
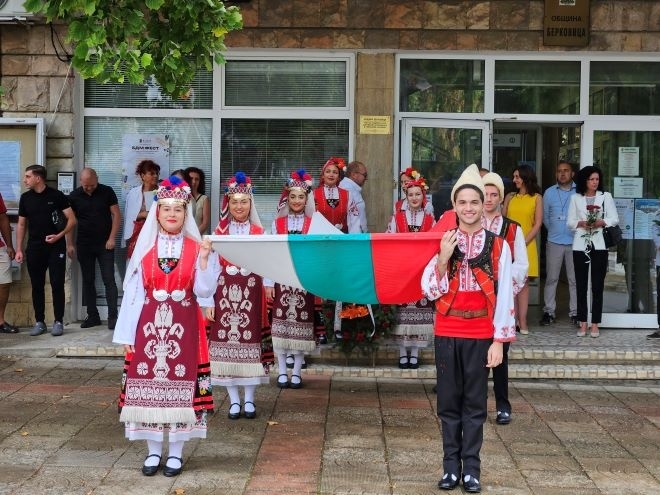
<point x="493" y="179"/>
<point x="469" y="177"/>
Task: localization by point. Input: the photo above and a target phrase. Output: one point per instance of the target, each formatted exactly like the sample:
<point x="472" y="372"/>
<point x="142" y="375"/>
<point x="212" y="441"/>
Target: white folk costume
<point x="334" y="203"/>
<point x="239" y="339"/>
<point x="512" y="233"/>
<point x="474" y="307"/>
<point x="166" y="387"/>
<point x="402" y="204"/>
<point x="293" y="327"/>
<point x="414" y="327"/>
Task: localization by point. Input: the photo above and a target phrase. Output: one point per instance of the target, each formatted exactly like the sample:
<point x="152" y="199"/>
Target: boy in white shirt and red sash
<point x="471" y="281"/>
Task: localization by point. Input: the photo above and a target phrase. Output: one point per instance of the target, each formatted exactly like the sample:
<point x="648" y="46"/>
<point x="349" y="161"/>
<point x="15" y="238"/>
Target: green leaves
<point x="130" y="40"/>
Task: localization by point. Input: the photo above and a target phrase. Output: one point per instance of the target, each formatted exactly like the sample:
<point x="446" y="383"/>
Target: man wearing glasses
<point x="356" y="176"/>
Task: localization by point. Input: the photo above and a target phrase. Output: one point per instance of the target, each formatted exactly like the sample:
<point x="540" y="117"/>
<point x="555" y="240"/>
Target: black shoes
<point x="236" y="415"/>
<point x="91" y="321"/>
<point x="574" y="321"/>
<point x="654" y="335"/>
<point x="503" y="418"/>
<point x="547" y="319"/>
<point x="249" y="414"/>
<point x="471" y="484"/>
<point x="169" y="471"/>
<point x="297" y="383"/>
<point x="150" y="470"/>
<point x="112" y="323"/>
<point x="283" y="383"/>
<point x="404" y="363"/>
<point x="448" y="482"/>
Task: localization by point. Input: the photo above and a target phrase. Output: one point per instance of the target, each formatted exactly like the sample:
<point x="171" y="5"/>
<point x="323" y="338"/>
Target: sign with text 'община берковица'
<point x="566" y="23"/>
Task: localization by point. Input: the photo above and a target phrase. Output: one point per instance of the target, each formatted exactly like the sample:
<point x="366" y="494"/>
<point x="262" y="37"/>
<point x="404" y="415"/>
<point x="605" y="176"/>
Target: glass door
<point x="630" y="161"/>
<point x="440" y="150"/>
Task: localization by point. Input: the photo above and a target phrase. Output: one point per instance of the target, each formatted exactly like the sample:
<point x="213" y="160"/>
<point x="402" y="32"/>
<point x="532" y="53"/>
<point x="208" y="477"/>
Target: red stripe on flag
<point x="399" y="261"/>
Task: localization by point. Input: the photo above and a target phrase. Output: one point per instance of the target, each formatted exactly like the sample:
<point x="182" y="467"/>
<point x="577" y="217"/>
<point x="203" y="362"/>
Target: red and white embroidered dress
<point x="166" y="385"/>
<point x="293" y="309"/>
<point x="235" y="339"/>
<point x="414" y="327"/>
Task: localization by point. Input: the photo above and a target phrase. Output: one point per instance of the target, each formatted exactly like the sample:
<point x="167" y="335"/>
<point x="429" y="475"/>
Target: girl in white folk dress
<point x="238" y="318"/>
<point x="293" y="309"/>
<point x="166" y="387"/>
<point x="414" y="327"/>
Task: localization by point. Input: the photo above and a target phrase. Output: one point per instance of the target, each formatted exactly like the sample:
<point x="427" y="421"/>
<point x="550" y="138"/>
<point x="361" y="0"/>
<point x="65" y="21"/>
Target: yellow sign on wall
<point x="375" y="124"/>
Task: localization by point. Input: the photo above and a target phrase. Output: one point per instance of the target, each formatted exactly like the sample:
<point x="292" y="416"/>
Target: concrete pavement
<point x="59" y="434"/>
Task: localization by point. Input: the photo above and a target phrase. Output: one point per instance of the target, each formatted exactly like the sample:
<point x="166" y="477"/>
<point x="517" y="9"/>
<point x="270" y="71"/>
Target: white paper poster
<point x="138" y="147"/>
<point x="628" y="187"/>
<point x="628" y="160"/>
<point x="647" y="213"/>
<point x="625" y="208"/>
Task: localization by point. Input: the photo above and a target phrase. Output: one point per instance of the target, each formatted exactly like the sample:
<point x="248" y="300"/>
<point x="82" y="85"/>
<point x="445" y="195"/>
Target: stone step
<point x="517" y="371"/>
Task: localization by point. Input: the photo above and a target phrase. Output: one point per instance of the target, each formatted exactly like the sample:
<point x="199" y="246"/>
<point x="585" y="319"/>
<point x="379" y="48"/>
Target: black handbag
<point x="612" y="236"/>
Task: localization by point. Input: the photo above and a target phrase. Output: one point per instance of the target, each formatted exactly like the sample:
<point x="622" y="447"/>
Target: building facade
<point x="435" y="85"/>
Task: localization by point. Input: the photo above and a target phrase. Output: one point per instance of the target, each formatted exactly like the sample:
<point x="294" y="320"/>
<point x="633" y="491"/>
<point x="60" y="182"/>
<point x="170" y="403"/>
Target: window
<point x="294" y="83"/>
<point x="149" y="95"/>
<point x="536" y="86"/>
<point x="268" y="150"/>
<point x="431" y="85"/>
<point x="624" y="88"/>
<point x="190" y="140"/>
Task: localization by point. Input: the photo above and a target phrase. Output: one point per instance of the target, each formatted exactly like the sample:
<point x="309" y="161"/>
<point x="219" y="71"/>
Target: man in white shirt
<point x="356" y="176"/>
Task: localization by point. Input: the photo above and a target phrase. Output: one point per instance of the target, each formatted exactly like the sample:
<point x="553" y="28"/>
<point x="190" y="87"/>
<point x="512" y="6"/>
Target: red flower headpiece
<point x="411" y="172"/>
<point x="419" y="182"/>
<point x="337" y="162"/>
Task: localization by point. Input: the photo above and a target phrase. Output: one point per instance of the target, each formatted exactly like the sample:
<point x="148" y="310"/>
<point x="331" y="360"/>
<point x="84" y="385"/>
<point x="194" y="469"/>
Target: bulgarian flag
<point x="360" y="268"/>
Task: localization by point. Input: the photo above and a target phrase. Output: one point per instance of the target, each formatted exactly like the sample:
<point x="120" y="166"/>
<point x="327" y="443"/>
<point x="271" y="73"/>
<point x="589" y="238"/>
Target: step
<point x="517" y="371"/>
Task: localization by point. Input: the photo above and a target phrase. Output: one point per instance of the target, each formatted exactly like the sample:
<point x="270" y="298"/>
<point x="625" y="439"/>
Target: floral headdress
<point x="298" y="179"/>
<point x="173" y="190"/>
<point x="410" y="172"/>
<point x="340" y="163"/>
<point x="418" y="182"/>
<point x="237" y="186"/>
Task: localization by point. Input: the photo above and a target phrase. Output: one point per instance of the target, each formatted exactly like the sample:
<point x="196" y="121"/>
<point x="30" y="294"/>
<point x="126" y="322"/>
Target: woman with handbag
<point x="590" y="210"/>
<point x="138" y="202"/>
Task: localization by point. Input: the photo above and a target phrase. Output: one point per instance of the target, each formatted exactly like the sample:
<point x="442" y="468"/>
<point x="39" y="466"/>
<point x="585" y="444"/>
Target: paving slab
<point x="336" y="435"/>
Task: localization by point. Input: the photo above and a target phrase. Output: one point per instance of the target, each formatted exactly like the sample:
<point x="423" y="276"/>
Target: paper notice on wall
<point x="629" y="160"/>
<point x="628" y="187"/>
<point x="10" y="172"/>
<point x="625" y="208"/>
<point x="138" y="147"/>
<point x="647" y="216"/>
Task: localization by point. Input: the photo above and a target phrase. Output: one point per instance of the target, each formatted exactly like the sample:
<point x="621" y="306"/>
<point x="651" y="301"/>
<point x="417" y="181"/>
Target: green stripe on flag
<point x="334" y="266"/>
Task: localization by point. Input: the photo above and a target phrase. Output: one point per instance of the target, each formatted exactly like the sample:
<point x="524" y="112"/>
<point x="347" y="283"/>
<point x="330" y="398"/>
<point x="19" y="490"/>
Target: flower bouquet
<point x="593" y="215"/>
<point x="358" y="329"/>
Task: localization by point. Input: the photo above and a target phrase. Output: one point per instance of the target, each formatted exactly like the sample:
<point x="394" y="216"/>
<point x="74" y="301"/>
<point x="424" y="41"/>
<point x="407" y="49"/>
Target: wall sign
<point x="566" y="23"/>
<point x="375" y="124"/>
